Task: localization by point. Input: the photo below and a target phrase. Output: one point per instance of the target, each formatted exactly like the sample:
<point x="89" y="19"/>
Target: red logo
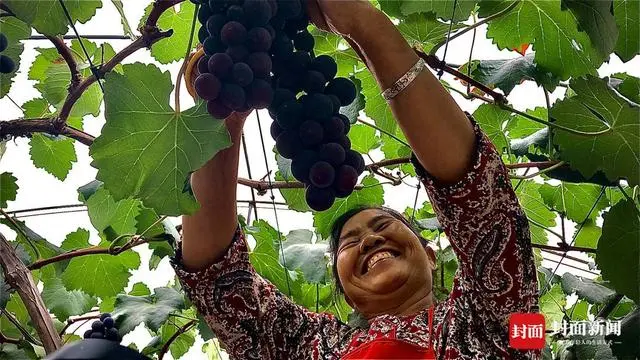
<point x="526" y="331"/>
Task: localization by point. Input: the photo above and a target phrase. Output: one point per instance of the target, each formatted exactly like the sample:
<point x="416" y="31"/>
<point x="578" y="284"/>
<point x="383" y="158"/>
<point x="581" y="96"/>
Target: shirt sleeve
<point x="251" y="318"/>
<point x="489" y="233"/>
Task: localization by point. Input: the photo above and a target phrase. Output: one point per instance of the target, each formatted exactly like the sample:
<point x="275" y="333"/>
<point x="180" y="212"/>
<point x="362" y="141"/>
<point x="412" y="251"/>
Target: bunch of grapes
<point x="103" y="329"/>
<point x="6" y="63"/>
<point x="259" y="54"/>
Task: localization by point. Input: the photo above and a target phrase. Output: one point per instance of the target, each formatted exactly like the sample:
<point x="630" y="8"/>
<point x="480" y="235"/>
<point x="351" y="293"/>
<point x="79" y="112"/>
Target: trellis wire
<point x="446" y="44"/>
<point x="94" y="69"/>
<point x="253" y="194"/>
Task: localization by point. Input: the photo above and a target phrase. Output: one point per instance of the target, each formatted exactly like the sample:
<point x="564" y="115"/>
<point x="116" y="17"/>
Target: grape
<point x="97" y="335"/>
<point x="203" y="64"/>
<point x="238" y="53"/>
<point x="207" y="86"/>
<point x="87" y="334"/>
<point x="345" y="123"/>
<point x="204" y="13"/>
<point x="236" y="13"/>
<point x="212" y="45"/>
<point x="342" y="194"/>
<point x="289" y="80"/>
<point x="274" y="7"/>
<point x="216" y="109"/>
<point x="246" y="106"/>
<point x="278" y="22"/>
<point x="281" y="95"/>
<point x="215" y="24"/>
<point x="220" y="65"/>
<point x="288" y="114"/>
<point x="260" y="94"/>
<point x="336" y="103"/>
<point x="281" y="47"/>
<point x="314" y="82"/>
<point x="108" y="322"/>
<point x="301" y="165"/>
<point x="355" y="160"/>
<point x="257" y="12"/>
<point x="299" y="62"/>
<point x="322" y="174"/>
<point x="296" y="24"/>
<point x="318" y="107"/>
<point x="319" y="199"/>
<point x="104" y="316"/>
<point x="346" y="179"/>
<point x="326" y="65"/>
<point x="332" y="153"/>
<point x="112" y="334"/>
<point x="203" y="34"/>
<point x="289" y="8"/>
<point x="311" y="133"/>
<point x="217" y="6"/>
<point x="271" y="30"/>
<point x="259" y="39"/>
<point x="275" y="130"/>
<point x="288" y="144"/>
<point x="232" y="96"/>
<point x="333" y="128"/>
<point x="303" y="41"/>
<point x="196" y="2"/>
<point x="260" y="63"/>
<point x="233" y="33"/>
<point x="343" y="88"/>
<point x="242" y="74"/>
<point x="344" y="141"/>
<point x="97" y="326"/>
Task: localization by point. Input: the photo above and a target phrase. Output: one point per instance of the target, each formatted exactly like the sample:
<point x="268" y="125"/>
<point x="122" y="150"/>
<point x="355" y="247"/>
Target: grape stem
<point x="67" y="55"/>
<point x="165" y="348"/>
<point x="72" y="320"/>
<point x="4" y="339"/>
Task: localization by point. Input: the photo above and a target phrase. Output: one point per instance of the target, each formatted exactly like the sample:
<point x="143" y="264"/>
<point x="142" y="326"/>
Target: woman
<point x="381" y="264"/>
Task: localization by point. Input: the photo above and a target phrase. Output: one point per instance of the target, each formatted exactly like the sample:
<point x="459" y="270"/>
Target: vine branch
<point x="27" y="127"/>
<point x="67" y="55"/>
<point x="181" y="330"/>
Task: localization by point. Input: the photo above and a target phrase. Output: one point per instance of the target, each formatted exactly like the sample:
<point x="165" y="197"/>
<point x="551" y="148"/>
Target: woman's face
<point x="381" y="264"/>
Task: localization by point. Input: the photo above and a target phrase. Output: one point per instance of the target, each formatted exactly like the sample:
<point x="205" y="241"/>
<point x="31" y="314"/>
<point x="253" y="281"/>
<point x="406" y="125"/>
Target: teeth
<point x="377" y="257"/>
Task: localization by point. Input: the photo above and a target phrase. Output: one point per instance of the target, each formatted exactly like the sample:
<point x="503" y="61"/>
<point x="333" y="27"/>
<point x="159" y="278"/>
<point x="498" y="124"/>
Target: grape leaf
<point x="53" y="154"/>
<point x="533" y="204"/>
<point x="589" y="235"/>
<point x="175" y="47"/>
<point x="75" y="240"/>
<point x="64" y="303"/>
<point x="574" y="200"/>
<point x="618" y="248"/>
<point x="47" y="16"/>
<point x="123" y="18"/>
<point x="579" y="310"/>
<point x="15" y="30"/>
<point x="140" y="289"/>
<point x="627" y="15"/>
<point x="336" y="47"/>
<point x="424" y="30"/>
<point x="99" y="275"/>
<point x="13" y="352"/>
<point x="493" y="121"/>
<point x="295" y="198"/>
<point x="629" y="87"/>
<point x="302" y="253"/>
<point x="586" y="289"/>
<point x="146" y="149"/>
<point x="552" y="305"/>
<point x="105" y="212"/>
<point x="152" y="310"/>
<point x="376" y="107"/>
<point x="505" y="74"/>
<point x="363" y="138"/>
<point x="442" y="8"/>
<point x="8" y="188"/>
<point x="560" y="48"/>
<point x="596" y="107"/>
<point x="522" y="127"/>
<point x="181" y="344"/>
<point x="595" y="17"/>
<point x="372" y="194"/>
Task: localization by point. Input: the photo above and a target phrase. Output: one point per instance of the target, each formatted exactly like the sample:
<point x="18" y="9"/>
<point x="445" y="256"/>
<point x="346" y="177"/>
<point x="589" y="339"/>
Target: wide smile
<point x="376" y="257"/>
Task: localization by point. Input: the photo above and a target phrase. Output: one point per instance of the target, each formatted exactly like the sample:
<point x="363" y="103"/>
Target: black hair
<point x="338" y="224"/>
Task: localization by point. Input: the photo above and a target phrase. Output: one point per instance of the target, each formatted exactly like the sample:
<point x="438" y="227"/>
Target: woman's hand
<point x="341" y="17"/>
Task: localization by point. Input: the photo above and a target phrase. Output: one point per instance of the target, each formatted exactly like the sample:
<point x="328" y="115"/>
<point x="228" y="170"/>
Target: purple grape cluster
<point x="103" y="329"/>
<point x="259" y="54"/>
<point x="6" y="63"/>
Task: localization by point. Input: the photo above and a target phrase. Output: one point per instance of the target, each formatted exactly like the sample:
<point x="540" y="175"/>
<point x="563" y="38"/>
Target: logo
<point x="526" y="331"/>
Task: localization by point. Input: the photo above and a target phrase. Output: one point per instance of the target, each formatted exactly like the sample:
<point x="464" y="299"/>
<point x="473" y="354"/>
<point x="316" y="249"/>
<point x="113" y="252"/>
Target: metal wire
<point x="446" y="44"/>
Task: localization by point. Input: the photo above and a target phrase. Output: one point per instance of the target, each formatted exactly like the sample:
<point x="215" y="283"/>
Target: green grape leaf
<point x="626" y="346"/>
<point x="494" y="121"/>
<point x="371" y="194"/>
<point x="560" y="48"/>
<point x="579" y="310"/>
<point x="75" y="240"/>
<point x="15" y="30"/>
<point x="552" y="305"/>
<point x="295" y="198"/>
<point x="424" y="30"/>
<point x="265" y="258"/>
<point x="595" y="108"/>
<point x="175" y="47"/>
<point x="586" y="289"/>
<point x="152" y="310"/>
<point x="336" y="47"/>
<point x="627" y="15"/>
<point x="595" y="17"/>
<point x="627" y="85"/>
<point x="150" y="158"/>
<point x="618" y="248"/>
<point x="13" y="352"/>
<point x="105" y="212"/>
<point x="64" y="303"/>
<point x="376" y="107"/>
<point x="506" y="74"/>
<point x="574" y="200"/>
<point x="441" y="8"/>
<point x="47" y="16"/>
<point x="123" y="18"/>
<point x="56" y="155"/>
<point x="523" y="127"/>
<point x="8" y="188"/>
<point x="140" y="289"/>
<point x="181" y="344"/>
<point x="304" y="254"/>
<point x="363" y="138"/>
<point x="589" y="235"/>
<point x="533" y="204"/>
<point x="99" y="275"/>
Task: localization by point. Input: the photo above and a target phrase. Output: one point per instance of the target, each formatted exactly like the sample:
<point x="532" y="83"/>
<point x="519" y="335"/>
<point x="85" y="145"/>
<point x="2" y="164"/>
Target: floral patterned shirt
<point x="496" y="276"/>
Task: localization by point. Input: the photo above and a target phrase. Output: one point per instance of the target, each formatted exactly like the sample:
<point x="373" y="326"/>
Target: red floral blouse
<point x="496" y="276"/>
